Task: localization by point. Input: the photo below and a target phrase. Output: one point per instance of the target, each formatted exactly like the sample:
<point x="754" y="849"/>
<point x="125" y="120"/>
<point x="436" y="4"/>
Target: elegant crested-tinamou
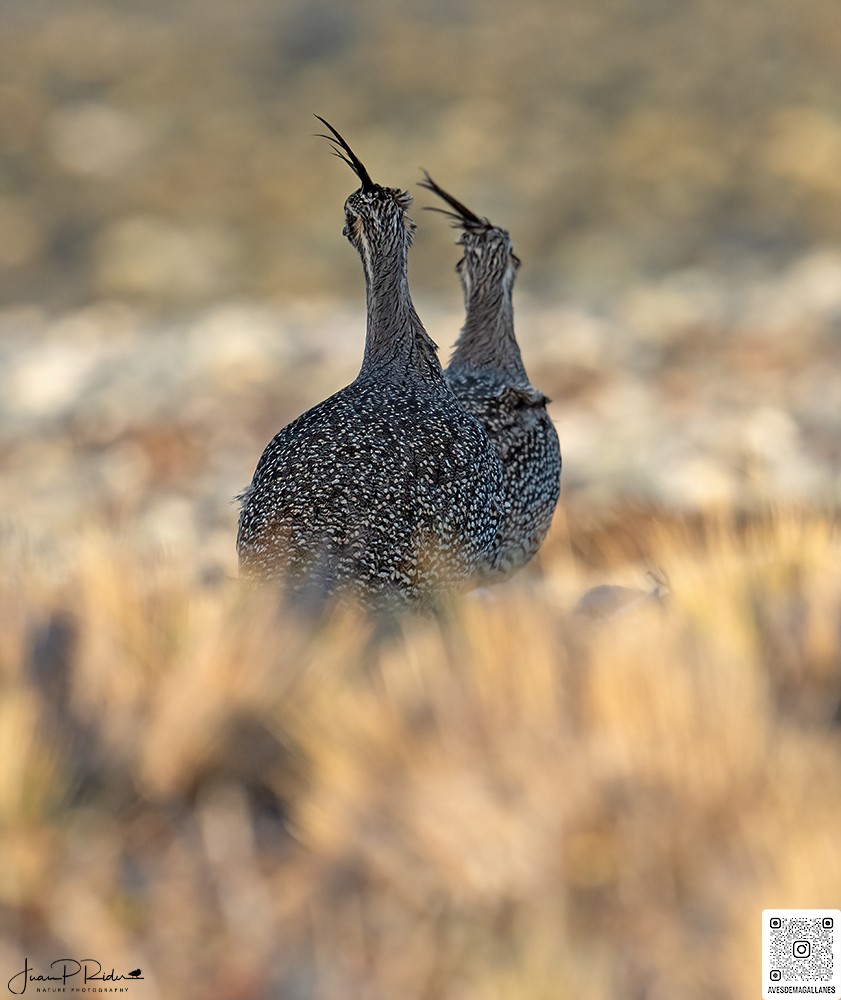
<point x="488" y="377"/>
<point x="388" y="491"/>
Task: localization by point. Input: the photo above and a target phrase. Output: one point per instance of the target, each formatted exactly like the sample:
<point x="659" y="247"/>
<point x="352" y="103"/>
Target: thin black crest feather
<point x="461" y="216"/>
<point x="458" y="221"/>
<point x="351" y="159"/>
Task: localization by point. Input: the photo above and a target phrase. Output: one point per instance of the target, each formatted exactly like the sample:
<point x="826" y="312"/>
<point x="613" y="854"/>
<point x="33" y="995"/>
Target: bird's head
<point x="489" y="259"/>
<point x="375" y="216"/>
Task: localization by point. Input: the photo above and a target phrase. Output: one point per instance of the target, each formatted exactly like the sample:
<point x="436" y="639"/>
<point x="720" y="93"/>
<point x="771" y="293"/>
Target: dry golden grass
<point x="509" y="803"/>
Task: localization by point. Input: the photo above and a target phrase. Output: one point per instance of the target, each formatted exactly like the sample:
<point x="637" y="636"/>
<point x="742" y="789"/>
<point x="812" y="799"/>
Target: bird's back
<point x="387" y="491"/>
<point x="515" y="419"/>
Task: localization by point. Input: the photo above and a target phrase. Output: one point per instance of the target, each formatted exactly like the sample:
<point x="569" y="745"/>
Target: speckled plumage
<point x="388" y="490"/>
<point x="487" y="375"/>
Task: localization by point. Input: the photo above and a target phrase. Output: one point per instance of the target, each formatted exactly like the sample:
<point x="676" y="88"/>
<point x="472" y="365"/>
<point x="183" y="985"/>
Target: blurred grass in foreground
<point x="509" y="803"/>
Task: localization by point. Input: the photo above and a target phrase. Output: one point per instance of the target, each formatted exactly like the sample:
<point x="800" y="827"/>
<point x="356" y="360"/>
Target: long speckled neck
<point x="396" y="343"/>
<point x="487" y="339"/>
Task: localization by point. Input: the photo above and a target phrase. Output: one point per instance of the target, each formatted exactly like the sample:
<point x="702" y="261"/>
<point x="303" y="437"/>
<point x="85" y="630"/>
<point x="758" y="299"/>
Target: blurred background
<point x="175" y="288"/>
<point x="163" y="153"/>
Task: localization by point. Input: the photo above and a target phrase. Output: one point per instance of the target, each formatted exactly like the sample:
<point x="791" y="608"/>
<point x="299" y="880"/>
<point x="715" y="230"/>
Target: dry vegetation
<point x="509" y="803"/>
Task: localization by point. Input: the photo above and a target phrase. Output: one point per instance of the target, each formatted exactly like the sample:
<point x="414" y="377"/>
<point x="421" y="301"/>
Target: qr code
<point x="801" y="953"/>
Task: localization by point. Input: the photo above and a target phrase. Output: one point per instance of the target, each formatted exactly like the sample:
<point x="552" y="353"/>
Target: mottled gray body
<point x="488" y="377"/>
<point x="516" y="420"/>
<point x="388" y="490"/>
